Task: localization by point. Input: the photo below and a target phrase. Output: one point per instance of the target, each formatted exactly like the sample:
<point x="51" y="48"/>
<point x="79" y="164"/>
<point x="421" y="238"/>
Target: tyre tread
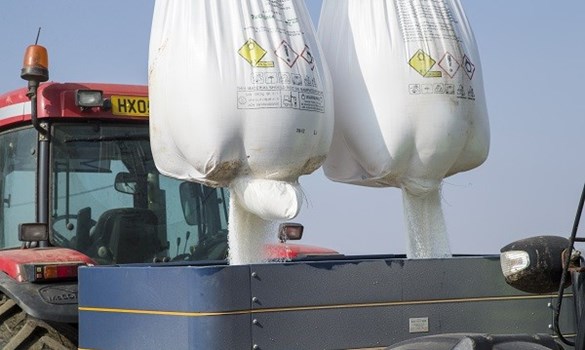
<point x="20" y="331"/>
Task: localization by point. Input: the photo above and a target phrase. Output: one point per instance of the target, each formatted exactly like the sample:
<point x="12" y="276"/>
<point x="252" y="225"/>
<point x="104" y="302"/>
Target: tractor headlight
<point x="534" y="265"/>
<point x="89" y="98"/>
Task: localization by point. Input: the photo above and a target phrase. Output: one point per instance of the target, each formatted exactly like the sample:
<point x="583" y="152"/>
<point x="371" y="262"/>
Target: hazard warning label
<point x="469" y="67"/>
<point x="422" y="62"/>
<point x="286" y="53"/>
<point x="252" y="52"/>
<point x="449" y="64"/>
<point x="308" y="57"/>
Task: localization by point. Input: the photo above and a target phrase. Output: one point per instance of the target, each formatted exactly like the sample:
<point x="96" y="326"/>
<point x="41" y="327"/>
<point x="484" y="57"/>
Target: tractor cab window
<point x="17" y="183"/>
<point x="111" y="203"/>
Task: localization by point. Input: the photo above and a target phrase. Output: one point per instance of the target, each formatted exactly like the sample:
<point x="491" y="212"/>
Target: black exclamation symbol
<point x="287" y="54"/>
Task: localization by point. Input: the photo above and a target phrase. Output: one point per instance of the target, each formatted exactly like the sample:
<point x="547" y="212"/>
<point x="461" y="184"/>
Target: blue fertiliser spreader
<point x="350" y="302"/>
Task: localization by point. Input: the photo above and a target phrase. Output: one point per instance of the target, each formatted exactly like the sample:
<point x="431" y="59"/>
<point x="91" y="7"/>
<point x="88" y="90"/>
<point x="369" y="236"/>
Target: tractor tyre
<point x="20" y="331"/>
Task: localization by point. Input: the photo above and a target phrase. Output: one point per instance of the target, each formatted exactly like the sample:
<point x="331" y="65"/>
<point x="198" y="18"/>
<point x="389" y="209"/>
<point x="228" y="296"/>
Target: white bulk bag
<point x="409" y="100"/>
<point x="238" y="89"/>
<point x="240" y="97"/>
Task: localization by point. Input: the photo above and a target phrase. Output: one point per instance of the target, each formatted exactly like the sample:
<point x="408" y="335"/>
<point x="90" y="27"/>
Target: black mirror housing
<point x="126" y="183"/>
<point x="33" y="232"/>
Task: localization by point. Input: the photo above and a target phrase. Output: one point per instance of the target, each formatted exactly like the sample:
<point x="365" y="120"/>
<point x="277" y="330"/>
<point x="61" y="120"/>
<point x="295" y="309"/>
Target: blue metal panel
<point x="347" y="303"/>
<point x="152" y="307"/>
<point x="119" y="331"/>
<point x="174" y="288"/>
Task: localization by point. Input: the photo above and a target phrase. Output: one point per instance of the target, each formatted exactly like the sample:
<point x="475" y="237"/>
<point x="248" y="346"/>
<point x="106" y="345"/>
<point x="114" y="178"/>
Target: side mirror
<point x="191" y="194"/>
<point x="33" y="232"/>
<point x="126" y="183"/>
<point x="290" y="231"/>
<point x="535" y="265"/>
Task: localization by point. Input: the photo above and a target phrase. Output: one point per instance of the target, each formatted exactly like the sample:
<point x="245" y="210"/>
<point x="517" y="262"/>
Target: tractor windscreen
<point x="111" y="203"/>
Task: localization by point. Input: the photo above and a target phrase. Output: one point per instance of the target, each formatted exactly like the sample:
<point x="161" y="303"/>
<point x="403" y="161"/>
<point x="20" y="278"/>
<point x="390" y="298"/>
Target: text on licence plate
<point x="130" y="105"/>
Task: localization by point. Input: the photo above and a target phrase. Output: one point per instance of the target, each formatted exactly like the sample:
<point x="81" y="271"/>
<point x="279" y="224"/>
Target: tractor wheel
<point x="19" y="331"/>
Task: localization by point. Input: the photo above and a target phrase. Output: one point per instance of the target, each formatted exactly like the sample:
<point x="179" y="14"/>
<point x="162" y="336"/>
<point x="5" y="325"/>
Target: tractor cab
<point x="108" y="201"/>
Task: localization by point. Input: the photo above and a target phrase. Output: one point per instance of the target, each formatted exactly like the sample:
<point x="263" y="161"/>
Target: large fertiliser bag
<point x="409" y="103"/>
<point x="239" y="97"/>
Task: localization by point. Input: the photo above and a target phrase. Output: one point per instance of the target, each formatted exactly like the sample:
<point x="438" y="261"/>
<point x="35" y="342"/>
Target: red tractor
<point x="79" y="187"/>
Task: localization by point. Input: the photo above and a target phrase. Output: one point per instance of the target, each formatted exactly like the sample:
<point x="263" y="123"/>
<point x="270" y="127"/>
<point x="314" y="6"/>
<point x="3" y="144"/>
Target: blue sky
<point x="533" y="57"/>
